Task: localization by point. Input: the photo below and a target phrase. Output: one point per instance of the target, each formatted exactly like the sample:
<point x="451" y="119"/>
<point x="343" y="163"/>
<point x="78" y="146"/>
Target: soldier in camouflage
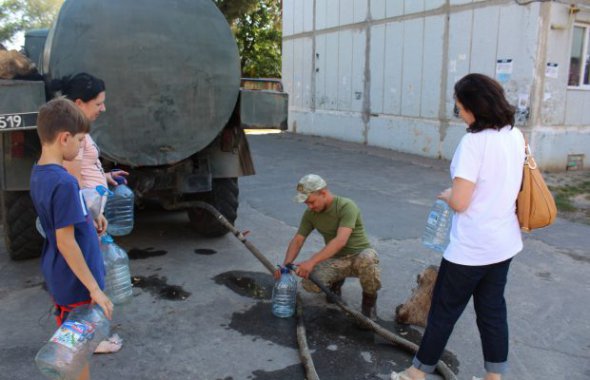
<point x="347" y="252"/>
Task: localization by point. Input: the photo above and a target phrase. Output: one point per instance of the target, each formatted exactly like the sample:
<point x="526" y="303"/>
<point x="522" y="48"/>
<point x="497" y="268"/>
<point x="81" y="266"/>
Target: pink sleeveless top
<point x="90" y="169"/>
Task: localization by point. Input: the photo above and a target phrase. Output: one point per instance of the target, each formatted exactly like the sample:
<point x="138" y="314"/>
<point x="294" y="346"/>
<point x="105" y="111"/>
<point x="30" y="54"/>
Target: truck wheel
<point x="224" y="197"/>
<point x="18" y="217"/>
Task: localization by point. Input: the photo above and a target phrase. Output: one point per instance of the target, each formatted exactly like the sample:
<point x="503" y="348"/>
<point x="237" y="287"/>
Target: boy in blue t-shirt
<point x="71" y="260"/>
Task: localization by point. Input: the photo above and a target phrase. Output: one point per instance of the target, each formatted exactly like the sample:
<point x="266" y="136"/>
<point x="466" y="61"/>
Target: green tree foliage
<point x="234" y="9"/>
<point x="256" y="25"/>
<point x="20" y="15"/>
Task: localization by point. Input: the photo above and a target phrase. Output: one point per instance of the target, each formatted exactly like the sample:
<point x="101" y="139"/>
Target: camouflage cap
<point x="307" y="185"/>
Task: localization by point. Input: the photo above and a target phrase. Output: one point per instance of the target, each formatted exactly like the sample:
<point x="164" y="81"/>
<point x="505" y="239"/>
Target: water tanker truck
<point x="176" y="110"/>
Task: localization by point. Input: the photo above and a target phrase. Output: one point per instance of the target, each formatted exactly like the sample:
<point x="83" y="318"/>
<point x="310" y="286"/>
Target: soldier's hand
<point x="304" y="269"/>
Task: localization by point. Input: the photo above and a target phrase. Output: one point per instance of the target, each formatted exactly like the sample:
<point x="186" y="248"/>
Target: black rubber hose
<point x="306" y="359"/>
<point x="304" y="353"/>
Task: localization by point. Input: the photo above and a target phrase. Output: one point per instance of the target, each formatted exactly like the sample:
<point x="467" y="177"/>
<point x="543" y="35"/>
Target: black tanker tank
<point x="172" y="71"/>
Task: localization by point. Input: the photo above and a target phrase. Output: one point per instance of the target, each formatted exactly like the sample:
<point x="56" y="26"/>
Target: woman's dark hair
<point x="81" y="86"/>
<point x="485" y="99"/>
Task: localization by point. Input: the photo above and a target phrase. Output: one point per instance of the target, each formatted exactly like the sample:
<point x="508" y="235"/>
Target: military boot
<point x="336" y="288"/>
<point x="369" y="306"/>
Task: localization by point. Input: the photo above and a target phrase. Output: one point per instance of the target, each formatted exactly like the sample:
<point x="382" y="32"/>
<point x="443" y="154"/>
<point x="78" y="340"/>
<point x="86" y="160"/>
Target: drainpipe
<point x="313" y="60"/>
<point x="444" y="75"/>
<point x="366" y="112"/>
<point x="538" y="86"/>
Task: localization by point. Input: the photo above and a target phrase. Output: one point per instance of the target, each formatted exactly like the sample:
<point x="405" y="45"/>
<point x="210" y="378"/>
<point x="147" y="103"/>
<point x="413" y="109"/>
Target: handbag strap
<point x="528" y="156"/>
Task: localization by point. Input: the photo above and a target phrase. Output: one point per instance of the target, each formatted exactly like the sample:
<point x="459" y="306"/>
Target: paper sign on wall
<point x="552" y="70"/>
<point x="504" y="69"/>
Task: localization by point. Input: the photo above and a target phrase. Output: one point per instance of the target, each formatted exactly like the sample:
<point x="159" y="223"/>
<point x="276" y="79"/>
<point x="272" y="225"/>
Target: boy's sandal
<point x="110" y="345"/>
<point x="403" y="375"/>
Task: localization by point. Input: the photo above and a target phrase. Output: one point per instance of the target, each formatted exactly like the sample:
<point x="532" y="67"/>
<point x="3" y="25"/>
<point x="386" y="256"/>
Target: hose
<point x="362" y="320"/>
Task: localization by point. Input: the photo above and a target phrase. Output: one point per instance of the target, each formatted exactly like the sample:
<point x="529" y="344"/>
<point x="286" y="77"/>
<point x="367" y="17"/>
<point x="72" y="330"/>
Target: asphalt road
<point x="201" y="307"/>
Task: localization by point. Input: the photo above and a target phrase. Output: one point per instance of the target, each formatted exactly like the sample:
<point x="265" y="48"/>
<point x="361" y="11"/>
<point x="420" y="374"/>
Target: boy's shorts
<point x="62" y="312"/>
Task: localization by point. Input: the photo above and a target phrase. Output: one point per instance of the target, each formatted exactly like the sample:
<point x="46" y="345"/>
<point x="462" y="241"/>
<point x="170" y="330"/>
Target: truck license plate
<point x="27" y="120"/>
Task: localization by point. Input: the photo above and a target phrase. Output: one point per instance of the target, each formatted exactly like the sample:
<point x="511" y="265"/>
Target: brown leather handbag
<point x="535" y="206"/>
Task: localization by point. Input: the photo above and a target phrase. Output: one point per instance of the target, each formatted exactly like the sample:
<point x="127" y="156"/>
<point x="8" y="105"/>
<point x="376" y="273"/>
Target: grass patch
<point x="565" y="194"/>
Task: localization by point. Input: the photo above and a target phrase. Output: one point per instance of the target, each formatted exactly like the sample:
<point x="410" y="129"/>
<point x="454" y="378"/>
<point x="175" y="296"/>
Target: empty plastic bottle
<point x="284" y="295"/>
<point x="95" y="199"/>
<point x="117" y="281"/>
<point x="71" y="346"/>
<point x="438" y="226"/>
<point x="119" y="209"/>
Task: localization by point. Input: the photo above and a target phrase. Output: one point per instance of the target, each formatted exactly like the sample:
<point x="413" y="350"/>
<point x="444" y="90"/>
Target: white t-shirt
<point x="488" y="231"/>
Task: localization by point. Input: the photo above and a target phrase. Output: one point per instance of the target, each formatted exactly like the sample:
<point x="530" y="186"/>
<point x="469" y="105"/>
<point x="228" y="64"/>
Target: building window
<point x="579" y="75"/>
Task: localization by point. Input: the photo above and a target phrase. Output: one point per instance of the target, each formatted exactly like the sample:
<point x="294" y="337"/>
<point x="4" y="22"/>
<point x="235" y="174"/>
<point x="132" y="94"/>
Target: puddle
<point x="332" y="338"/>
<point x="259" y="323"/>
<point x="141" y="254"/>
<point x="158" y="287"/>
<point x="295" y="371"/>
<point x="248" y="284"/>
<point x="205" y="251"/>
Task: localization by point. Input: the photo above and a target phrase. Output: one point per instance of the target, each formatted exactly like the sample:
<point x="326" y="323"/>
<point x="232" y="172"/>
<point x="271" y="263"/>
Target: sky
<point x="17" y="43"/>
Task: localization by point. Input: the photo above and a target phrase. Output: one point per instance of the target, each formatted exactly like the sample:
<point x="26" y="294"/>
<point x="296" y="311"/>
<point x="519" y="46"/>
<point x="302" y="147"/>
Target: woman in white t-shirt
<point x="486" y="171"/>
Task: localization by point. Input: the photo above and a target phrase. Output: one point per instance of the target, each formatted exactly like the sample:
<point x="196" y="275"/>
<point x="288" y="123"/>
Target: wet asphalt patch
<point x="205" y="251"/>
<point x="158" y="287"/>
<point x="141" y="254"/>
<point x="340" y="350"/>
<point x="248" y="284"/>
<point x="291" y="372"/>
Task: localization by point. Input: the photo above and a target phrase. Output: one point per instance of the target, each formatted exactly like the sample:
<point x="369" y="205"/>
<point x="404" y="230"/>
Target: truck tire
<point x="224" y="197"/>
<point x="18" y="217"/>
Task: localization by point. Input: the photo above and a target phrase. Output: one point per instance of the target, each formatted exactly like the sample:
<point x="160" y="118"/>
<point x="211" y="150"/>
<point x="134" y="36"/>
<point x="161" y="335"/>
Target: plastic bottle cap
<point x="119" y="180"/>
<point x="285" y="270"/>
<point x="100" y="189"/>
<point x="106" y="239"/>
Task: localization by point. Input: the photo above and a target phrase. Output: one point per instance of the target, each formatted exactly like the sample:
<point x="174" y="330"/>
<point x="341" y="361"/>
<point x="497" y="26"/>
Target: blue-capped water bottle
<point x="119" y="209"/>
<point x="438" y="226"/>
<point x="71" y="346"/>
<point x="117" y="281"/>
<point x="284" y="295"/>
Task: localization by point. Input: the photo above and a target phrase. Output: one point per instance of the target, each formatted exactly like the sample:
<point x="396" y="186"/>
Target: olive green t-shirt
<point x="343" y="212"/>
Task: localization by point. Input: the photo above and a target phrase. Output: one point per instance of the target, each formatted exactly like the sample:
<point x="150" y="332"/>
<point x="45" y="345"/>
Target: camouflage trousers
<point x="364" y="265"/>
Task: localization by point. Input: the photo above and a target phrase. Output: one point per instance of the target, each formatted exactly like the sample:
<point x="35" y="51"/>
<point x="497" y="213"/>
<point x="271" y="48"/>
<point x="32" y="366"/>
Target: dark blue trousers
<point x="454" y="287"/>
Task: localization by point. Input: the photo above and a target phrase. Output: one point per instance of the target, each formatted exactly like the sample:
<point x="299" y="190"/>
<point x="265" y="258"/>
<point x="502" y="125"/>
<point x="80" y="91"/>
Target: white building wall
<point x="382" y="72"/>
<point x="563" y="127"/>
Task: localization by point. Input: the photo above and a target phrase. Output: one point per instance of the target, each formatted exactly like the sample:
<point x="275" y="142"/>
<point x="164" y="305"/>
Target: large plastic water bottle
<point x="284" y="295"/>
<point x="95" y="199"/>
<point x="117" y="281"/>
<point x="438" y="226"/>
<point x="70" y="348"/>
<point x="119" y="209"/>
